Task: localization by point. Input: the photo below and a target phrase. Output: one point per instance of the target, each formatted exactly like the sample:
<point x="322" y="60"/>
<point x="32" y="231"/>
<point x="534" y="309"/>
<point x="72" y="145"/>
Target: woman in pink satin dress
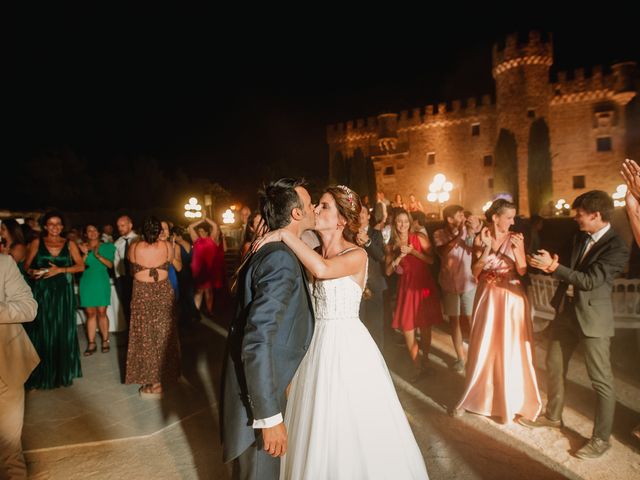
<point x="500" y="377"/>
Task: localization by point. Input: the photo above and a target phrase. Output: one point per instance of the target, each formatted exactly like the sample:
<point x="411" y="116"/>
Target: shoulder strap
<point x="347" y="250"/>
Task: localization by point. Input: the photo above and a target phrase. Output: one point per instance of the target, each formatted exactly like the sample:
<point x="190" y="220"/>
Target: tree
<point x="539" y="181"/>
<point x="505" y="174"/>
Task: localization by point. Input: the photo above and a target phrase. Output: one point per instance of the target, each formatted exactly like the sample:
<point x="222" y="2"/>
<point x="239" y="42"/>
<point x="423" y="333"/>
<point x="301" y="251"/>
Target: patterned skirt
<point x="153" y="355"/>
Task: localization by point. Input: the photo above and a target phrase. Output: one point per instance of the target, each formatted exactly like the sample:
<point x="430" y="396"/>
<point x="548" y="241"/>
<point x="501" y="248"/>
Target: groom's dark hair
<point x="278" y="199"/>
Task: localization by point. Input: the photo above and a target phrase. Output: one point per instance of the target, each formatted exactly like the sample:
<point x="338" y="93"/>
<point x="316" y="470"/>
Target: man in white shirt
<point x="124" y="279"/>
<point x="584" y="316"/>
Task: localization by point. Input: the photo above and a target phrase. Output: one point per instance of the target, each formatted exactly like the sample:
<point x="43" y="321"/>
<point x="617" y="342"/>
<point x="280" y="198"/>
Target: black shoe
<point x="541" y="421"/>
<point x="593" y="449"/>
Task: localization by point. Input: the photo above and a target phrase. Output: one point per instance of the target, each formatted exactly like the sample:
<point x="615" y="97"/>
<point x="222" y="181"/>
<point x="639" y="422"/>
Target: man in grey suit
<point x="18" y="358"/>
<point x="267" y="340"/>
<point x="584" y="315"/>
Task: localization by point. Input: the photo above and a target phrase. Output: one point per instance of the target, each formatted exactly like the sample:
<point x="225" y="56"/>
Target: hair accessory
<point x="349" y="193"/>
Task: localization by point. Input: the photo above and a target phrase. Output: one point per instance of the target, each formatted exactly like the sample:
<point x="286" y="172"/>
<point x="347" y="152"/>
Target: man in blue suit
<point x="268" y="338"/>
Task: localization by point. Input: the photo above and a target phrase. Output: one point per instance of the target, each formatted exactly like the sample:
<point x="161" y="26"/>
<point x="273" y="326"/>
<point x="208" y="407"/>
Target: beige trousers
<point x="12" y="466"/>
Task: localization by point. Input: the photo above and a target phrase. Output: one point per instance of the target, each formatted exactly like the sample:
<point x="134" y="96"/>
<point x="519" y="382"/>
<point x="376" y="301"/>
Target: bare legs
<point x="97" y="316"/>
<point x="414" y="348"/>
<point x="208" y="299"/>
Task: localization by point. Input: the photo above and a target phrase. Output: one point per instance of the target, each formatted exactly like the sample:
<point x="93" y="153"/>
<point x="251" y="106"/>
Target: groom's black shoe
<point x="594" y="448"/>
<point x="541" y="421"/>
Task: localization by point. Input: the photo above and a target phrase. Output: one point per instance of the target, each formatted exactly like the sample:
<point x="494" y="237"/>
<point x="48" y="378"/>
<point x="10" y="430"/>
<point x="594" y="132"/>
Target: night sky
<point x="220" y="95"/>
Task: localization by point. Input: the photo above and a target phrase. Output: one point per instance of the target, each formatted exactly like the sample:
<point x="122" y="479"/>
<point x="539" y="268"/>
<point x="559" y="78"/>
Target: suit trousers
<point x="12" y="466"/>
<point x="565" y="336"/>
<point x="256" y="464"/>
<point x="124" y="288"/>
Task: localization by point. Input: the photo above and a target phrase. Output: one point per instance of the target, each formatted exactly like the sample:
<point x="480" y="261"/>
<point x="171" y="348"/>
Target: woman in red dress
<point x="418" y="303"/>
<point x="207" y="261"/>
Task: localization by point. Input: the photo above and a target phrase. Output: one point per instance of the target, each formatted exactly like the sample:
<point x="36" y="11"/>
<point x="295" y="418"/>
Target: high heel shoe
<point x="90" y="351"/>
<point x="105" y="346"/>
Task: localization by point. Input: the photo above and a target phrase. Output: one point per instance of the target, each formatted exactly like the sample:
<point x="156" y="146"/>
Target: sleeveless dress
<point x="418" y="302"/>
<point x="153" y="355"/>
<point x="207" y="264"/>
<point x="500" y="378"/>
<point x="95" y="287"/>
<point x="343" y="416"/>
<point x="53" y="332"/>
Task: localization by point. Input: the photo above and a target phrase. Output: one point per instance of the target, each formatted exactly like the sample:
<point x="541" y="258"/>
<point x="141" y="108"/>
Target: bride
<point x="343" y="416"/>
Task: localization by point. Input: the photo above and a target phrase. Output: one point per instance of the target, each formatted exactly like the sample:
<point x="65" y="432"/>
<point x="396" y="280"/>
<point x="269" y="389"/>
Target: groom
<point x="267" y="339"/>
<point x="584" y="315"/>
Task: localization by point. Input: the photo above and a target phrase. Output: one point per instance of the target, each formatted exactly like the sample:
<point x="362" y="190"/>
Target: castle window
<point x="603" y="144"/>
<point x="531" y="113"/>
<point x="475" y="130"/>
<point x="389" y="171"/>
<point x="431" y="158"/>
<point x="579" y="181"/>
<point x="490" y="183"/>
<point x="488" y="160"/>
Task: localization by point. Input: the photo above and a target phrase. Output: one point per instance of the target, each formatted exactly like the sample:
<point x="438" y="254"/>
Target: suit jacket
<point x="375" y="278"/>
<point x="592" y="281"/>
<point x="268" y="338"/>
<point x="18" y="358"/>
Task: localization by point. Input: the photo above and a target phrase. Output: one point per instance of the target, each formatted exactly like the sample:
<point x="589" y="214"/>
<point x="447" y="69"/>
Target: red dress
<point x="418" y="303"/>
<point x="207" y="264"/>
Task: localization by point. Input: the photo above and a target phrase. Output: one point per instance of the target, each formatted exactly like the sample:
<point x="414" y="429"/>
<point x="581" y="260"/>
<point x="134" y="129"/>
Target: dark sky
<point x="219" y="94"/>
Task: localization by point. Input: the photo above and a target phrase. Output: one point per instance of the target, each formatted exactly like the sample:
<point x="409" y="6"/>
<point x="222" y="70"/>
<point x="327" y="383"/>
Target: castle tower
<point x="523" y="93"/>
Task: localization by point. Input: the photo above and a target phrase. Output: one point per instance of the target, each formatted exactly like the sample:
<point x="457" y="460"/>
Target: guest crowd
<point x="165" y="274"/>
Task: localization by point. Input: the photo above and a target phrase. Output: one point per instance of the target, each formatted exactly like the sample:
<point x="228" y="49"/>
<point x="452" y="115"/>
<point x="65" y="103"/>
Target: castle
<point x="587" y="132"/>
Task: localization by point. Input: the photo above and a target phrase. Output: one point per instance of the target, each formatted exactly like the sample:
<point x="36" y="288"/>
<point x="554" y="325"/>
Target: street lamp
<point x="439" y="191"/>
<point x="192" y="209"/>
<point x="618" y="196"/>
<point x="562" y="207"/>
<point x="228" y="216"/>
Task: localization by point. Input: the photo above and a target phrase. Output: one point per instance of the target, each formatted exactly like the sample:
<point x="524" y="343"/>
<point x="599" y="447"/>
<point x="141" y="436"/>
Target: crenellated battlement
<point x="583" y="84"/>
<point x="535" y="51"/>
<point x="454" y="111"/>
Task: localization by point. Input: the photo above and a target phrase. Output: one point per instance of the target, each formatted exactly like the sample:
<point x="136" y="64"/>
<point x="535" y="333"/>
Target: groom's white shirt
<point x="268" y="422"/>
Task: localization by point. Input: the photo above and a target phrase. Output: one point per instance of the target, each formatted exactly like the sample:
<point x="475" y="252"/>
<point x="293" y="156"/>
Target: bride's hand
<point x="258" y="243"/>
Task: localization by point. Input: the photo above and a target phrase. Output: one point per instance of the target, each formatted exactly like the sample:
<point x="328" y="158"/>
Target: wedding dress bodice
<point x="336" y="299"/>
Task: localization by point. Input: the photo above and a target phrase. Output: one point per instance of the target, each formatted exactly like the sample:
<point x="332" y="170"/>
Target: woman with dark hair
<point x="342" y="384"/>
<point x="154" y="353"/>
<point x="95" y="287"/>
<point x="176" y="263"/>
<point x="500" y="378"/>
<point x="255" y="228"/>
<point x="51" y="262"/>
<point x="207" y="261"/>
<point x="14" y="242"/>
<point x="418" y="303"/>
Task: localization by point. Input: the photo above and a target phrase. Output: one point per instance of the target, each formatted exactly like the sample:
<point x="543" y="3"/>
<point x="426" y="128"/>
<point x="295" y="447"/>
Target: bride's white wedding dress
<point x="343" y="416"/>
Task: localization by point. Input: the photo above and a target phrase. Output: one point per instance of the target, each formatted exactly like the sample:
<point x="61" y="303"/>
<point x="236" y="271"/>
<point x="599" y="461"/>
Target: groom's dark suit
<point x="586" y="318"/>
<point x="268" y="338"/>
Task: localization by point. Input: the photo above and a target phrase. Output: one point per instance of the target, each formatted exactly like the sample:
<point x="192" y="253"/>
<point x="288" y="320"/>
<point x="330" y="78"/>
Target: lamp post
<point x="618" y="196"/>
<point x="193" y="209"/>
<point x="439" y="191"/>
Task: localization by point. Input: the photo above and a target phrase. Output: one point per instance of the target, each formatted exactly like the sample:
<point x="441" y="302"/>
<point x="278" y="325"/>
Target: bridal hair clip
<point x="349" y="193"/>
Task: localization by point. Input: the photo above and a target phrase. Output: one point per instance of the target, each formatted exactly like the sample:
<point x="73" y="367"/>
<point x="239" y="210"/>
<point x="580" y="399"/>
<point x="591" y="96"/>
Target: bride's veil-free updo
<point x="349" y="206"/>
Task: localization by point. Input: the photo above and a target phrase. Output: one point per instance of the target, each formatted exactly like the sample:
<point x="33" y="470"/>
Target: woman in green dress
<point x="95" y="287"/>
<point x="51" y="262"/>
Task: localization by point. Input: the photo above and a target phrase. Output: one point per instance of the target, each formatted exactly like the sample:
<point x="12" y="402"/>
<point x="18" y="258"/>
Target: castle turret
<point x="523" y="92"/>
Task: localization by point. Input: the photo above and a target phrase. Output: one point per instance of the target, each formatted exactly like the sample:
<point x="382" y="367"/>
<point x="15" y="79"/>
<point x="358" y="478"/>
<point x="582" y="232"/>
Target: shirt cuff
<point x="268" y="422"/>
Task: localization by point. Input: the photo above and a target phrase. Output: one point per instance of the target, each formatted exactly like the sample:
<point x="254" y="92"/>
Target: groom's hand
<point x="275" y="440"/>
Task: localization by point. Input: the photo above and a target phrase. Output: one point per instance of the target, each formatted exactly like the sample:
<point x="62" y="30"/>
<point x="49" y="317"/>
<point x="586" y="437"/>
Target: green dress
<point x="95" y="287"/>
<point x="53" y="332"/>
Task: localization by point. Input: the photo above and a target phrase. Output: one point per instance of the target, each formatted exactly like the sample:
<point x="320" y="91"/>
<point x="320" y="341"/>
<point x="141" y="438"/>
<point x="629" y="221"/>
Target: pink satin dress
<point x="500" y="378"/>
